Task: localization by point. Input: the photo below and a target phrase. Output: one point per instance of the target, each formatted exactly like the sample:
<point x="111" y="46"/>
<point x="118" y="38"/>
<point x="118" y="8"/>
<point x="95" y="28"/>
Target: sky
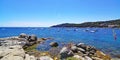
<point x="45" y="13"/>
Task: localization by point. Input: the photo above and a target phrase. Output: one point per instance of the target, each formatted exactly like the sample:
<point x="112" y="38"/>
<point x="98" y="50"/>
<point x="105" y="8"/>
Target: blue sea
<point x="102" y="39"/>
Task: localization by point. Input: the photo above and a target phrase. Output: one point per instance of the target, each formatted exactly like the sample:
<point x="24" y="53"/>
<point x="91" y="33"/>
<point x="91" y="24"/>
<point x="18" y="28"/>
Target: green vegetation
<point x="72" y="58"/>
<point x="111" y="23"/>
<point x="31" y="48"/>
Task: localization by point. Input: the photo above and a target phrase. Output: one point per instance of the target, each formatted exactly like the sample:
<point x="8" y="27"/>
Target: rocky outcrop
<point x="15" y="52"/>
<point x="12" y="53"/>
<point x="83" y="52"/>
<point x="65" y="52"/>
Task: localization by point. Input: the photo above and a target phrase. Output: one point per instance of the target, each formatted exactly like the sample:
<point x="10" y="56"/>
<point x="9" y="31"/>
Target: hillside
<point x="110" y="23"/>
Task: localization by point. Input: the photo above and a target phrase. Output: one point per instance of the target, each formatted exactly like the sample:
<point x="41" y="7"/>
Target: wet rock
<point x="65" y="52"/>
<point x="45" y="58"/>
<point x="44" y="38"/>
<point x="53" y="44"/>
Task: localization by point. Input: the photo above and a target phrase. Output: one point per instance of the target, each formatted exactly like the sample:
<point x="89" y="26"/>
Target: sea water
<point x="101" y="38"/>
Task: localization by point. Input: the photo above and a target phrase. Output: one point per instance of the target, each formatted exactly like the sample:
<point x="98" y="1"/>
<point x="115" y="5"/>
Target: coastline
<point x="31" y="52"/>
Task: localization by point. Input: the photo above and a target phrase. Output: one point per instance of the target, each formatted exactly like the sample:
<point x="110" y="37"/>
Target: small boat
<point x="75" y="29"/>
<point x="86" y="30"/>
<point x="92" y="31"/>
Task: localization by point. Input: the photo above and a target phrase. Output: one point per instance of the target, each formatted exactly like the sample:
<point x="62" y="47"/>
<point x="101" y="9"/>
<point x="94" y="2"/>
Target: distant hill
<point x="110" y="23"/>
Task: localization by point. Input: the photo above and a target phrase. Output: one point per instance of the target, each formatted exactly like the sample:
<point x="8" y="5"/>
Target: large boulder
<point x="23" y="35"/>
<point x="65" y="52"/>
<point x="53" y="44"/>
<point x="32" y="38"/>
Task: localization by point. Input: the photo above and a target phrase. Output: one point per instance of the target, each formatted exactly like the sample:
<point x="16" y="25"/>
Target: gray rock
<point x="65" y="52"/>
<point x="32" y="58"/>
<point x="11" y="57"/>
<point x="22" y="35"/>
<point x="27" y="57"/>
<point x="80" y="49"/>
<point x="32" y="38"/>
<point x="80" y="53"/>
<point x="53" y="44"/>
<point x="18" y="58"/>
<point x="74" y="49"/>
<point x="45" y="58"/>
<point x="14" y="50"/>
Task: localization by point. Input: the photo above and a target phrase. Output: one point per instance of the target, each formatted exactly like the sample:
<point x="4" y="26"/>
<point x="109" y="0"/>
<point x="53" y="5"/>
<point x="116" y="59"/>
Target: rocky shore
<point x="23" y="47"/>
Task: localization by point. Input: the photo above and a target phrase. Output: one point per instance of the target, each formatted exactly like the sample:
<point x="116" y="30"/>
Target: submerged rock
<point x="53" y="44"/>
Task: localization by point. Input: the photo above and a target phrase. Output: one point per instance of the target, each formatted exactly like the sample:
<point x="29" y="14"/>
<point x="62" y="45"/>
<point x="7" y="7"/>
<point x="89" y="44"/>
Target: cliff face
<point x="111" y="23"/>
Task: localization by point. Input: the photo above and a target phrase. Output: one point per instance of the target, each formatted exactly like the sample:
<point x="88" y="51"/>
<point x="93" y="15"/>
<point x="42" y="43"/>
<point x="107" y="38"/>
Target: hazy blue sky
<point x="50" y="12"/>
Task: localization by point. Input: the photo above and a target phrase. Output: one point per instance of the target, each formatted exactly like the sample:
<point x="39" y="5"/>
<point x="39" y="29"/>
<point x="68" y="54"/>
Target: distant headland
<point x="101" y="24"/>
